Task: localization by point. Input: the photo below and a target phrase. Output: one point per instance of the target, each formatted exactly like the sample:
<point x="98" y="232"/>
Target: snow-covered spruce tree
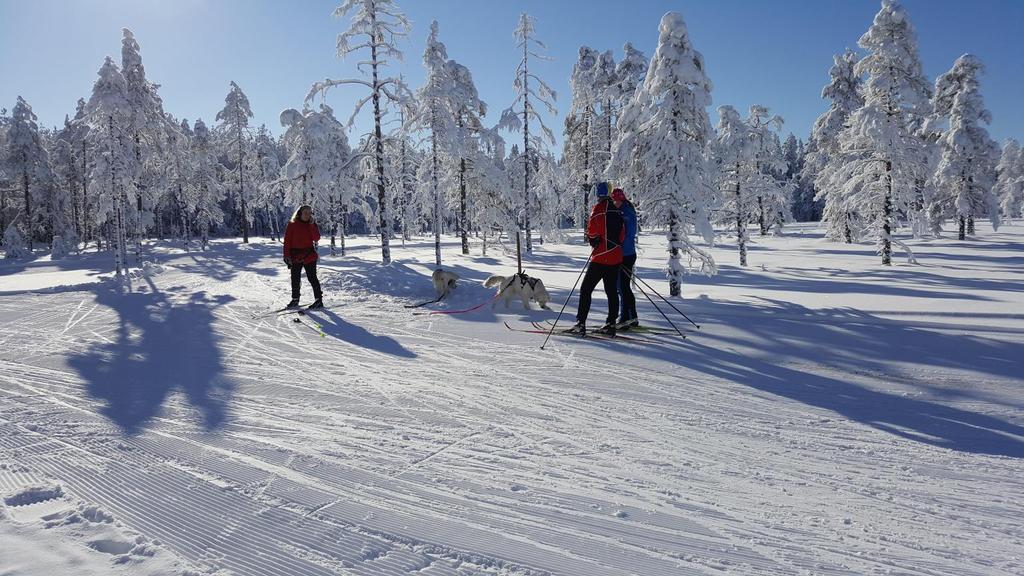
<point x="268" y="195"/>
<point x="663" y="132"/>
<point x="319" y="162"/>
<point x="733" y="154"/>
<point x="112" y="158"/>
<point x="60" y="197"/>
<point x="966" y="173"/>
<point x="531" y="91"/>
<point x="1010" y="180"/>
<point x="29" y="166"/>
<point x="14" y="244"/>
<point x="403" y="164"/>
<point x="629" y="74"/>
<point x="577" y="147"/>
<point x="435" y="114"/>
<point x="604" y="85"/>
<point x="376" y="25"/>
<point x="233" y="133"/>
<point x="206" y="191"/>
<point x="884" y="161"/>
<point x="469" y="111"/>
<point x="147" y="125"/>
<point x="340" y="185"/>
<point x="769" y="186"/>
<point x="5" y="179"/>
<point x="492" y="209"/>
<point x="71" y="167"/>
<point x="823" y="157"/>
<point x="179" y="164"/>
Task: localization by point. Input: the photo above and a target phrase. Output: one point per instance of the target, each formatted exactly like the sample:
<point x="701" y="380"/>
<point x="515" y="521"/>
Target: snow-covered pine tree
<point x="769" y="186"/>
<point x="733" y="154"/>
<point x="966" y="173"/>
<point x="29" y="166"/>
<point x="179" y="163"/>
<point x="268" y="195"/>
<point x="822" y="157"/>
<point x="112" y="158"/>
<point x="577" y="148"/>
<point x="604" y="92"/>
<point x="531" y="91"/>
<point x="5" y="178"/>
<point x="663" y="132"/>
<point x="319" y="160"/>
<point x="147" y="125"/>
<point x="493" y="208"/>
<point x="435" y="115"/>
<point x="60" y="195"/>
<point x="376" y="25"/>
<point x="206" y="190"/>
<point x="403" y="164"/>
<point x="469" y="111"/>
<point x="233" y="133"/>
<point x="884" y="161"/>
<point x="1010" y="180"/>
<point x="71" y="167"/>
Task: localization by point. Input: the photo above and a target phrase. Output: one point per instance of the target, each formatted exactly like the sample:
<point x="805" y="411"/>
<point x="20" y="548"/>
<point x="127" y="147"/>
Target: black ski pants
<point x="626" y="288"/>
<point x="296" y="270"/>
<point x="609" y="275"/>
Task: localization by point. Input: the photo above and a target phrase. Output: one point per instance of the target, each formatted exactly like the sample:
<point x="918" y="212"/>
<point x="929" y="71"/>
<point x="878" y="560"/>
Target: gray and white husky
<point x="519" y="285"/>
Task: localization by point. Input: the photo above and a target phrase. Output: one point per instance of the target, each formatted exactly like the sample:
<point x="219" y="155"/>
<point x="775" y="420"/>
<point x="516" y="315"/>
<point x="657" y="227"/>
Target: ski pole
<point x="663" y="315"/>
<point x="566" y="303"/>
<point x="665" y="300"/>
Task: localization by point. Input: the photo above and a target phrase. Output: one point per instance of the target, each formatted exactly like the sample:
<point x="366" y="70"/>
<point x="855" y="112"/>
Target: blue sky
<point x="775" y="53"/>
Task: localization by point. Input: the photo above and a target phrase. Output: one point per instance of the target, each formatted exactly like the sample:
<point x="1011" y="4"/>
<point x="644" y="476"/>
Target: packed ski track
<point x="829" y="417"/>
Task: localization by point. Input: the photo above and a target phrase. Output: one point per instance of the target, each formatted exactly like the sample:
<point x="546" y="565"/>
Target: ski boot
<point x="317" y="304"/>
<point x="293" y="304"/>
<point x="579" y="329"/>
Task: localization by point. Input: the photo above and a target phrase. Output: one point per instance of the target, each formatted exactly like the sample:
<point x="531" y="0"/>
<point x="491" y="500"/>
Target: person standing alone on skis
<point x="628" y="317"/>
<point x="300" y="238"/>
<point x="605" y="233"/>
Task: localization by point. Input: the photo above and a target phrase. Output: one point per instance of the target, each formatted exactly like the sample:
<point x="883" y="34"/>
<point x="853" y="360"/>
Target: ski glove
<point x="595" y="241"/>
<point x="288" y="262"/>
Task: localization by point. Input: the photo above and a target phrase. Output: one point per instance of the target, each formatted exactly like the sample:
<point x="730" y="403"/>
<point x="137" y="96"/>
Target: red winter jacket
<point x="299" y="238"/>
<point x="606" y="224"/>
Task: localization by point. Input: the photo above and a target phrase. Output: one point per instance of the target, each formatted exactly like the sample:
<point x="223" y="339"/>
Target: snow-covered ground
<point x="831" y="417"/>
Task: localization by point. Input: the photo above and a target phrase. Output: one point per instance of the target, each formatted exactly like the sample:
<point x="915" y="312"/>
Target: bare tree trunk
<point x="526" y="150"/>
<point x="241" y="193"/>
<point x="437" y="201"/>
<point x="385" y="247"/>
<point x="887" y="217"/>
<point x="963" y="227"/>
<point x="28" y="206"/>
<point x="674" y="286"/>
<point x="741" y="232"/>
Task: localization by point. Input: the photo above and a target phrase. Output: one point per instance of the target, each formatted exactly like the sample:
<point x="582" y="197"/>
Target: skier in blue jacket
<point x="627" y="316"/>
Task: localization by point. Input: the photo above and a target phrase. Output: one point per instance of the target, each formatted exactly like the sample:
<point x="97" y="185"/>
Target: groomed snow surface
<point x="831" y="416"/>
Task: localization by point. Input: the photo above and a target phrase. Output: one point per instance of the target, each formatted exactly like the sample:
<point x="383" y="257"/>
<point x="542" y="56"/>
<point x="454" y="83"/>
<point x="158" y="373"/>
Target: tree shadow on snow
<point x="160" y="347"/>
<point x="763" y="347"/>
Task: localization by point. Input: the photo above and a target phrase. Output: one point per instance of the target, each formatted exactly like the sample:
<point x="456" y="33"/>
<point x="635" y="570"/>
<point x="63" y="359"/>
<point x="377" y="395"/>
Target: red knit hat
<point x="618" y="195"/>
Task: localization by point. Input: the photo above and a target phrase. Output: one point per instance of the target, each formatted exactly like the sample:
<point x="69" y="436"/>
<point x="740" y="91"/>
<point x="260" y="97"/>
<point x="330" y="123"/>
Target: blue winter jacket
<point x="629" y="217"/>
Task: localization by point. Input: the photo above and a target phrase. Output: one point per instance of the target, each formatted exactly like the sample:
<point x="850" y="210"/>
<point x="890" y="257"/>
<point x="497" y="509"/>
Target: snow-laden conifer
<point x="660" y="153"/>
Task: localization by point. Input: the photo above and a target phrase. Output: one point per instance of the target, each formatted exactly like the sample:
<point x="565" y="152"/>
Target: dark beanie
<point x="602" y="189"/>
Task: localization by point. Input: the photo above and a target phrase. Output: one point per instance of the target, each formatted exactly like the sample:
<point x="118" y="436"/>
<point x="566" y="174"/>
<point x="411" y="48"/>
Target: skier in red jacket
<point x="606" y="233"/>
<point x="300" y="238"/>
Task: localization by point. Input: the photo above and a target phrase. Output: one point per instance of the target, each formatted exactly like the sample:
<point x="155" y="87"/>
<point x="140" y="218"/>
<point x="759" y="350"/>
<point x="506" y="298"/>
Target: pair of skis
<point x="301" y="310"/>
<point x="595" y="335"/>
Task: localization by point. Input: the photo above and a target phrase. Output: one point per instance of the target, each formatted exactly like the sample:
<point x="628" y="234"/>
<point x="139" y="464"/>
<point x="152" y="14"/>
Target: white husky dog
<point x="521" y="285"/>
<point x="444" y="282"/>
